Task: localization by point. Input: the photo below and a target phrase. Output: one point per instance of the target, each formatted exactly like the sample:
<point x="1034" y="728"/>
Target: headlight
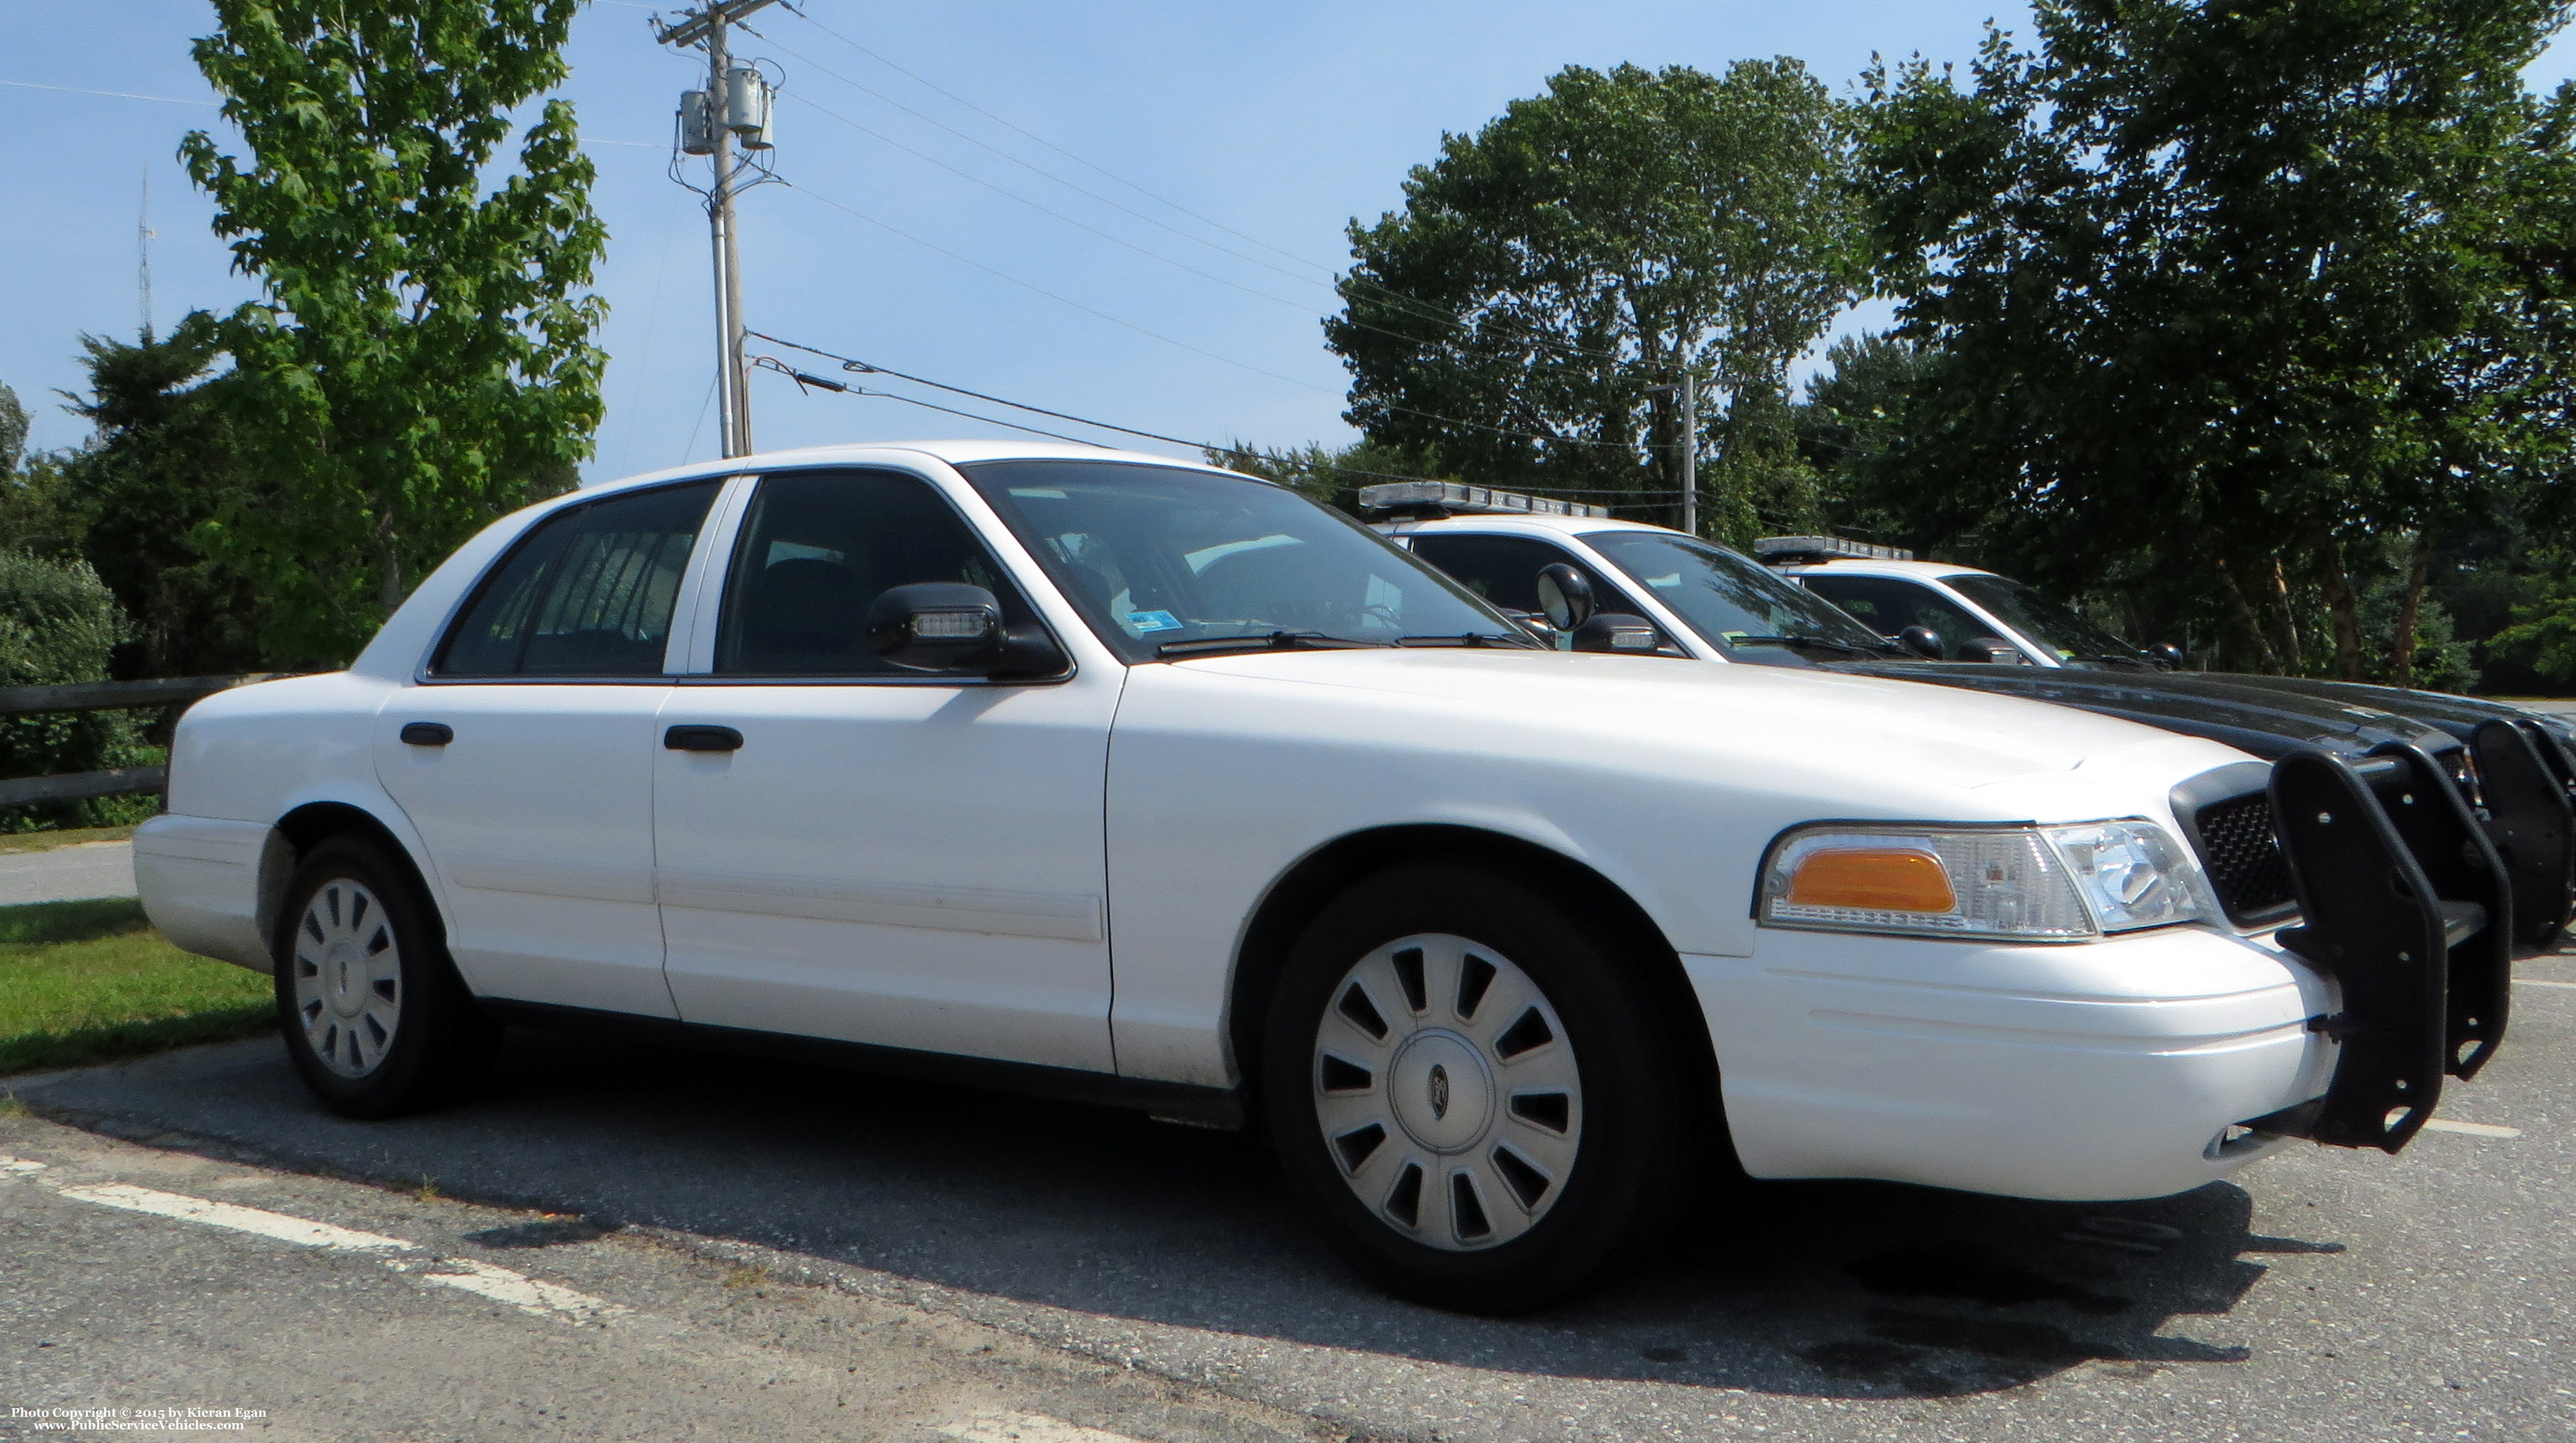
<point x="2062" y="884"/>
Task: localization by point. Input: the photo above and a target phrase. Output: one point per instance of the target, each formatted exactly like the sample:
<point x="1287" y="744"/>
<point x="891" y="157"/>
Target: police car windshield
<point x="1731" y="600"/>
<point x="1157" y="555"/>
<point x="2051" y="623"/>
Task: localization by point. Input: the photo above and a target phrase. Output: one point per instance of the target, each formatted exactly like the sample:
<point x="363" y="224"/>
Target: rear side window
<point x="588" y="593"/>
<point x="819" y="547"/>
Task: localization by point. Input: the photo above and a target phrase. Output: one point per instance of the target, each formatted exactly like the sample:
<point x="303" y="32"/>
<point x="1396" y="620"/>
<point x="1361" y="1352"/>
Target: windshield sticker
<point x="1144" y="621"/>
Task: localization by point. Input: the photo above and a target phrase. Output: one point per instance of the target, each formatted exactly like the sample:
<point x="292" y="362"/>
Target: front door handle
<point x="427" y="734"/>
<point x="702" y="739"/>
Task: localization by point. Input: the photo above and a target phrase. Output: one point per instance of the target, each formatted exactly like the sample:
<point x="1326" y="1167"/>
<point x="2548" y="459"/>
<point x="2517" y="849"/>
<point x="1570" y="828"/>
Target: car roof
<point x="879" y="453"/>
<point x="1511" y="523"/>
<point x="1871" y="566"/>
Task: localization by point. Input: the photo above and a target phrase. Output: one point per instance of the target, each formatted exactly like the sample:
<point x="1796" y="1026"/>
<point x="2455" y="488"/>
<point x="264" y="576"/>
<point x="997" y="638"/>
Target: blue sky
<point x="1275" y="122"/>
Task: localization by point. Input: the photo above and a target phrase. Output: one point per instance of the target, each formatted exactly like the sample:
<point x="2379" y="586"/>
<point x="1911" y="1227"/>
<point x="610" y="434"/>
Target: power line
<point x="1058" y="149"/>
<point x="1116" y="240"/>
<point x="1421" y="309"/>
<point x="1048" y="210"/>
<point x="850" y="363"/>
<point x="110" y="94"/>
<point x="1050" y="295"/>
<point x="1544" y="438"/>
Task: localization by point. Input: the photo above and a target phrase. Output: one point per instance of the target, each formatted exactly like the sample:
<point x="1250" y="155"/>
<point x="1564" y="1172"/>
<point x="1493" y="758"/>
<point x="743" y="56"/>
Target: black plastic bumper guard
<point x="2407" y="903"/>
<point x="2526" y="782"/>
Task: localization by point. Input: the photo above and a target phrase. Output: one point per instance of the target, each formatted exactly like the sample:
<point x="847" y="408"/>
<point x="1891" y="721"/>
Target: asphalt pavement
<point x="2324" y="1294"/>
<point x="86" y="869"/>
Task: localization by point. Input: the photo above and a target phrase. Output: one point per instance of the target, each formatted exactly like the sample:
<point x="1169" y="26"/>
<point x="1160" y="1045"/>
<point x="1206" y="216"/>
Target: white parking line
<point x="2472" y="1129"/>
<point x="1025" y="1428"/>
<point x="500" y="1285"/>
<point x="2543" y="982"/>
<point x="239" y="1219"/>
<point x="516" y="1289"/>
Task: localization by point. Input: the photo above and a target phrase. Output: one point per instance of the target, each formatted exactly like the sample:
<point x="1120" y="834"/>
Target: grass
<point x="12" y="842"/>
<point x="88" y="981"/>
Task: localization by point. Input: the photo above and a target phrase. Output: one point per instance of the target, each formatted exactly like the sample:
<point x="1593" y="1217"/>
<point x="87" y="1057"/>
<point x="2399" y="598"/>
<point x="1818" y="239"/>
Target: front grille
<point x="2242" y="856"/>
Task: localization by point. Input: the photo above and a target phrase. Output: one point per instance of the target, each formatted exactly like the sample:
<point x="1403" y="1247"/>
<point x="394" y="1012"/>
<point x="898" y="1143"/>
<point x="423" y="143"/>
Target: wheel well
<point x="314" y="823"/>
<point x="1283" y="915"/>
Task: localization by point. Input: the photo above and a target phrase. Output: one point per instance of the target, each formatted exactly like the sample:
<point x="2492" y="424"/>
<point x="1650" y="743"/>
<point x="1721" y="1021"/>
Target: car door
<point x="525" y="757"/>
<point x="886" y="857"/>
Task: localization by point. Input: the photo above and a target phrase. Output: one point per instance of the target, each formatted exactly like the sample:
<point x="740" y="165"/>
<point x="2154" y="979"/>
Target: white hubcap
<point x="348" y="977"/>
<point x="1447" y="1092"/>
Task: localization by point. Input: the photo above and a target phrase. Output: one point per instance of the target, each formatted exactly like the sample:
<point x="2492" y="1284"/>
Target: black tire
<point x="1648" y="1115"/>
<point x="399" y="1041"/>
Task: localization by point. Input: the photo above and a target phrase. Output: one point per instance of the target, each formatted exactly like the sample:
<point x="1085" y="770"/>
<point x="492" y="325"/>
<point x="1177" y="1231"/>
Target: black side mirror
<point x="2168" y="653"/>
<point x="1923" y="641"/>
<point x="1565" y="594"/>
<point x="950" y="626"/>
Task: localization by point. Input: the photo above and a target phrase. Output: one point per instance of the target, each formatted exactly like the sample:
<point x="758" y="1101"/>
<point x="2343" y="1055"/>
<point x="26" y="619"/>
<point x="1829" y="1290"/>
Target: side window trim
<point x="693" y="626"/>
<point x="427" y="674"/>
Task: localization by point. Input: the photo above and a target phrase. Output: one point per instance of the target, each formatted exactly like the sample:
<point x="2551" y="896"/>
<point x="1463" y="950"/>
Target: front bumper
<point x="2112" y="1069"/>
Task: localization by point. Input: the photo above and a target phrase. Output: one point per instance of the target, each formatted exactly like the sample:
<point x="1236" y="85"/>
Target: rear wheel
<point x="1474" y="1092"/>
<point x="375" y="1018"/>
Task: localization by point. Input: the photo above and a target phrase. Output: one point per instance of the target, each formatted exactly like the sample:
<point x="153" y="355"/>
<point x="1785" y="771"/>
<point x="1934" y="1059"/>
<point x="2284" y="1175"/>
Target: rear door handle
<point x="427" y="734"/>
<point x="702" y="739"/>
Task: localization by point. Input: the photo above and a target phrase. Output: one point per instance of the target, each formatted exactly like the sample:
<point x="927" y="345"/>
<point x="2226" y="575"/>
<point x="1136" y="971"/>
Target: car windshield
<point x="2051" y="623"/>
<point x="1163" y="561"/>
<point x="1731" y="600"/>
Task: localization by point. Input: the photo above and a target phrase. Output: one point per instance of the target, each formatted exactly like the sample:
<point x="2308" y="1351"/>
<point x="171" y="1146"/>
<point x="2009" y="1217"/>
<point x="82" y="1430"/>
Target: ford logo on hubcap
<point x="1439" y="1091"/>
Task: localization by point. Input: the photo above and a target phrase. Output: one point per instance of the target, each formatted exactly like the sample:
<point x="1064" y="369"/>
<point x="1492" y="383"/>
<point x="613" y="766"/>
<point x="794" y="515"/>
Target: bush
<point x="58" y="623"/>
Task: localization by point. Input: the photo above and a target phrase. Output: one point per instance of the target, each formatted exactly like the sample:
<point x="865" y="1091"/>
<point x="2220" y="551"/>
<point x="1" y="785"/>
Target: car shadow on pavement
<point x="1816" y="1289"/>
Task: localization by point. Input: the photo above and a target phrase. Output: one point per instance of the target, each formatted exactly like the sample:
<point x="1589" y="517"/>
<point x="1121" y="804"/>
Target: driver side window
<point x="1888" y="606"/>
<point x="1504" y="569"/>
<point x="819" y="547"/>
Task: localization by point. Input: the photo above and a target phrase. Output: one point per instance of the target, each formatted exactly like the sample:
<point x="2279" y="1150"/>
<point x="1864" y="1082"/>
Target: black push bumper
<point x="2407" y="901"/>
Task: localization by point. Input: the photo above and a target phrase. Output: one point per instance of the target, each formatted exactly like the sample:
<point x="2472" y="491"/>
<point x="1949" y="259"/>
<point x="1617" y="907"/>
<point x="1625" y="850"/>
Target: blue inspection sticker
<point x="1144" y="621"/>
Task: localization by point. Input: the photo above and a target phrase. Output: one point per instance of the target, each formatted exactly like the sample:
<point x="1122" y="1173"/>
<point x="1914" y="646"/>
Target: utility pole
<point x="1690" y="453"/>
<point x="734" y="105"/>
<point x="1688" y="391"/>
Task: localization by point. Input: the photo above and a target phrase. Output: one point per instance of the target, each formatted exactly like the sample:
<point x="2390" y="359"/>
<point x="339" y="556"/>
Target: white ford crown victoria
<point x="1076" y="771"/>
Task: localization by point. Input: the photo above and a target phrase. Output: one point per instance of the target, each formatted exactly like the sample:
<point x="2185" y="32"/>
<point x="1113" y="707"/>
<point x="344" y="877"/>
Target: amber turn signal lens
<point x="1881" y="879"/>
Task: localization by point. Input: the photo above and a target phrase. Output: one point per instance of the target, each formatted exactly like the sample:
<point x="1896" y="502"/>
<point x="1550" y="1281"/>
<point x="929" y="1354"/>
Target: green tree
<point x="139" y="500"/>
<point x="1591" y="245"/>
<point x="13" y="431"/>
<point x="1854" y="408"/>
<point x="422" y="361"/>
<point x="2219" y="296"/>
<point x="59" y="623"/>
<point x="1332" y="476"/>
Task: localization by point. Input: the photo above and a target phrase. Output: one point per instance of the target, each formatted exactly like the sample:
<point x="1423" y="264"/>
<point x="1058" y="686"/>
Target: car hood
<point x="1812" y="721"/>
<point x="2458" y="715"/>
<point x="2269" y="722"/>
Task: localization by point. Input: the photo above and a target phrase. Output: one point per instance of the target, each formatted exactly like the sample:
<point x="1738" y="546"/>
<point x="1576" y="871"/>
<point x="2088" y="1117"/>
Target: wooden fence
<point x="102" y="696"/>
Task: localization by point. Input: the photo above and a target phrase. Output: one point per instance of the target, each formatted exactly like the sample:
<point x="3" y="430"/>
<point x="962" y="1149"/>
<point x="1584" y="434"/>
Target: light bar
<point x="1789" y="548"/>
<point x="1458" y="498"/>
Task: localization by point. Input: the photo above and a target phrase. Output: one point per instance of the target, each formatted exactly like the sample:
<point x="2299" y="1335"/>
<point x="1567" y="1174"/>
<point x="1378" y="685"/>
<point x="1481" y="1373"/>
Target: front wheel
<point x="375" y="1018"/>
<point x="1476" y="1094"/>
